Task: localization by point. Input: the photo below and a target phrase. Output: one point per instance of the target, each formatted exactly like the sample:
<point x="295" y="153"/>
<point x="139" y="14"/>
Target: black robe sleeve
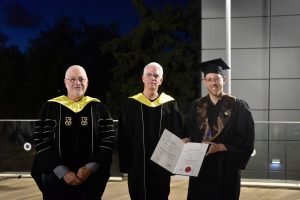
<point x="240" y="144"/>
<point x="123" y="137"/>
<point x="47" y="156"/>
<point x="175" y="121"/>
<point x="105" y="138"/>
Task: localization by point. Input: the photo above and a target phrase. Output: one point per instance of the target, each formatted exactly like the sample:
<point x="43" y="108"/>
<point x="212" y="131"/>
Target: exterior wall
<point x="265" y="71"/>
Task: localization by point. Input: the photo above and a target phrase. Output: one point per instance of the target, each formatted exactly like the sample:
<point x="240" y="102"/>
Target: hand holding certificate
<point x="178" y="157"/>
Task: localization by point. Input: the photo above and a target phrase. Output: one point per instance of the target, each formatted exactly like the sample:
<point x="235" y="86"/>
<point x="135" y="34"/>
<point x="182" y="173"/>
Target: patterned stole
<point x="210" y="133"/>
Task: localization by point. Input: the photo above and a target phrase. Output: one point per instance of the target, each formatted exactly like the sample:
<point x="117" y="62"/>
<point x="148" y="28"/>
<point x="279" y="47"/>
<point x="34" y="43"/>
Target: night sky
<point x="22" y="20"/>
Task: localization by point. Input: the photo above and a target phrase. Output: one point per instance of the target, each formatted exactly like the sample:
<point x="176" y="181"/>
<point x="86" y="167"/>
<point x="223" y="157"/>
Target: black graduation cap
<point x="213" y="66"/>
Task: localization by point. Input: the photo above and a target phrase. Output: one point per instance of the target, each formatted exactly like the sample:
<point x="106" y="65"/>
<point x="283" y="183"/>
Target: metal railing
<point x="276" y="156"/>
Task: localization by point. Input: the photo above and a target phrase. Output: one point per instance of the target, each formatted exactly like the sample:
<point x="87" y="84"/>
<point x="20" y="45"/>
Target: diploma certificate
<point x="178" y="157"/>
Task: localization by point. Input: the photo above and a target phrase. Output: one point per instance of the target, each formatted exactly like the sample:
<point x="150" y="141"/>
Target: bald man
<point x="73" y="138"/>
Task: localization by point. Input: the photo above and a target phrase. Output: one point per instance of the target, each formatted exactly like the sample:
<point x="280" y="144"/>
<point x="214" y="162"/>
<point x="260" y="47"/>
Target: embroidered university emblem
<point x="84" y="121"/>
<point x="68" y="121"/>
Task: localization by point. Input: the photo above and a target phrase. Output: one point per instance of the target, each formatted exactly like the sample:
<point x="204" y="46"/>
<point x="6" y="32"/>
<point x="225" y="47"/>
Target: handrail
<point x="115" y="120"/>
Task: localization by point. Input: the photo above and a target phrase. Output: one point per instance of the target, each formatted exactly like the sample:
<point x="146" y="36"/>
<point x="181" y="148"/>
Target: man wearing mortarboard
<point x="226" y="123"/>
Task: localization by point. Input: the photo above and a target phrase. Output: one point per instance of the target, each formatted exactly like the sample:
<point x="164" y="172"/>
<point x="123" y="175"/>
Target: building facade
<point x="265" y="71"/>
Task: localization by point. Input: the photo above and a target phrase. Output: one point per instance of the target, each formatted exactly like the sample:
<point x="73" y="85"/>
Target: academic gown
<point x="141" y="124"/>
<point x="233" y="125"/>
<point x="73" y="134"/>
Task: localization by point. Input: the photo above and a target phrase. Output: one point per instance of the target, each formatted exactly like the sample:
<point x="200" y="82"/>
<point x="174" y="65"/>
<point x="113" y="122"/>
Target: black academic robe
<point x="219" y="176"/>
<point x="141" y="124"/>
<point x="72" y="134"/>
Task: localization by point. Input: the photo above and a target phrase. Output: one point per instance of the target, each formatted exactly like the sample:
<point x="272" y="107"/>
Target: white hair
<point x="75" y="67"/>
<point x="157" y="65"/>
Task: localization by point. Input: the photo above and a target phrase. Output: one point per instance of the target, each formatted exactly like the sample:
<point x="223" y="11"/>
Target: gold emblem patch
<point x="68" y="121"/>
<point x="84" y="121"/>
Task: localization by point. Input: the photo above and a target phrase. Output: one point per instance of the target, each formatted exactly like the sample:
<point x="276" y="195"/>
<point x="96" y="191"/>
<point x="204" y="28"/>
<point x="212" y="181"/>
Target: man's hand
<point x="71" y="179"/>
<point x="214" y="147"/>
<point x="186" y="140"/>
<point x="83" y="173"/>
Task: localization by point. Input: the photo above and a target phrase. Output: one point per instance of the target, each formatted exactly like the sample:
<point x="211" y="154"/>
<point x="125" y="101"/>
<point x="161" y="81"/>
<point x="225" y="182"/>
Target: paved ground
<point x="25" y="189"/>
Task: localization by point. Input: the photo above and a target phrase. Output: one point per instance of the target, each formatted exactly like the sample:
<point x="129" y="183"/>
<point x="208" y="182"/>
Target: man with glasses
<point x="142" y="120"/>
<point x="226" y="123"/>
<point x="73" y="140"/>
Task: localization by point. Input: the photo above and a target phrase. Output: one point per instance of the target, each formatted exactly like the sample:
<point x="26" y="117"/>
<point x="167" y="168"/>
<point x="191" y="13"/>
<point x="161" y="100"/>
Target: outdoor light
<point x="275" y="161"/>
<point x="27" y="146"/>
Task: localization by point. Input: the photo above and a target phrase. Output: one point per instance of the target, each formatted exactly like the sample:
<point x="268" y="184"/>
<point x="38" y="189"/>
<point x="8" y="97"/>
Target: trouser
<point x="153" y="186"/>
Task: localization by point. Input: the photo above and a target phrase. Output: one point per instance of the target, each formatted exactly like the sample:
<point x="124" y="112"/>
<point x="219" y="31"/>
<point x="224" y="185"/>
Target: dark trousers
<point x="155" y="187"/>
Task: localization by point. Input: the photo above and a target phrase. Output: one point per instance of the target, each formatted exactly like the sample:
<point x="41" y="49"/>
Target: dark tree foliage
<point x="12" y="81"/>
<point x="114" y="64"/>
<point x="169" y="37"/>
<point x="32" y="77"/>
<point x="64" y="45"/>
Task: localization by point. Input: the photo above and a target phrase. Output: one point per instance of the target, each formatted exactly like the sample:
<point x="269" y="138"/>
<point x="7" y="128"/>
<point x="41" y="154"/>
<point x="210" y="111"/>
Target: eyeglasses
<point x="213" y="80"/>
<point x="74" y="80"/>
<point x="150" y="75"/>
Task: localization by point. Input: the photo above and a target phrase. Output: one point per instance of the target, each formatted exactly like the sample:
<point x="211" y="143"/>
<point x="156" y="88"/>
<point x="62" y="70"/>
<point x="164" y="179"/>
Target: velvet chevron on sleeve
<point x="73" y="135"/>
<point x="43" y="135"/>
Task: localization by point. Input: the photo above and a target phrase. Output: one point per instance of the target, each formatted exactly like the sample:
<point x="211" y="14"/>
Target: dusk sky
<point x="22" y="20"/>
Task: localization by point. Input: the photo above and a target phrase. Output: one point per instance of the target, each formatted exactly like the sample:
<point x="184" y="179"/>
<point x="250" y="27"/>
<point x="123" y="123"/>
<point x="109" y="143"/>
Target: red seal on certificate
<point x="188" y="169"/>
